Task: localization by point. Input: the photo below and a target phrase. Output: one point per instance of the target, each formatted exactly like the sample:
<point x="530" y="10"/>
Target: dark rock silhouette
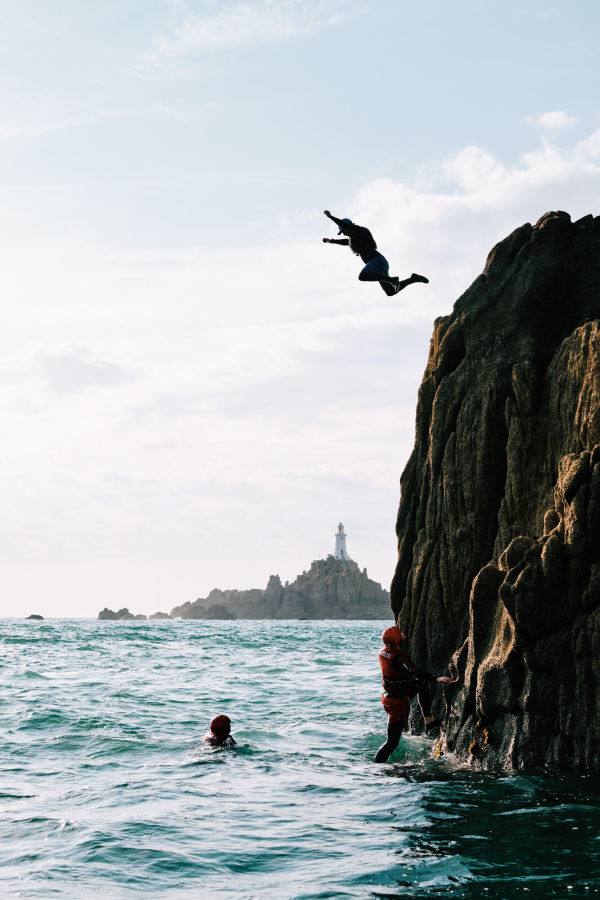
<point x="499" y="518"/>
<point x="36" y="617"/>
<point x="108" y="614"/>
<point x="331" y="589"/>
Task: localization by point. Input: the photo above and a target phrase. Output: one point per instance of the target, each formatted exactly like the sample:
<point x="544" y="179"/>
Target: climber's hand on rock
<point x="445" y="679"/>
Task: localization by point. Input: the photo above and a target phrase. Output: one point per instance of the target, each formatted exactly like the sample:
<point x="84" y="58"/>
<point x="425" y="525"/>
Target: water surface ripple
<point x="106" y="788"/>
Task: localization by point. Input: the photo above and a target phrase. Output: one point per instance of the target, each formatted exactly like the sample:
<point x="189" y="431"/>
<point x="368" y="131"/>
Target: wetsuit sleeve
<point x="344" y="242"/>
<point x="407" y="665"/>
<point x="348" y="226"/>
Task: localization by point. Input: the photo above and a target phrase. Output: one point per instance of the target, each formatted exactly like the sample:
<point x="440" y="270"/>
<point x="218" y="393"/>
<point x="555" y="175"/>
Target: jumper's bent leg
<point x="389" y="283"/>
<point x="378" y="269"/>
<point x="390" y="287"/>
<point x="394" y="732"/>
<point x="375" y="276"/>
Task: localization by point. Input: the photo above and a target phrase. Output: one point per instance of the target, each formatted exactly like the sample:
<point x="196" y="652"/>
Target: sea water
<point x="108" y="790"/>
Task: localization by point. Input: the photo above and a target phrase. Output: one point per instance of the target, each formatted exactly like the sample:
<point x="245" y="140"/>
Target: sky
<point x="195" y="389"/>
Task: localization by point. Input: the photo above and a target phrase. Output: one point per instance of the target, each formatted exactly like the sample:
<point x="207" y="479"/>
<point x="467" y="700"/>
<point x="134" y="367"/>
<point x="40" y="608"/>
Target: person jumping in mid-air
<point x="401" y="682"/>
<point x="362" y="243"/>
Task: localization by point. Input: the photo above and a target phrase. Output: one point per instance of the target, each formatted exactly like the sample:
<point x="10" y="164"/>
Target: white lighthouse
<point x="340" y="544"/>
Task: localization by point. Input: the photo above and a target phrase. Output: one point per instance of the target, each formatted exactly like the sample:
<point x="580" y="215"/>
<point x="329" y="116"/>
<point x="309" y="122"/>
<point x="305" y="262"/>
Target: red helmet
<point x="221" y="726"/>
<point x="393" y="635"/>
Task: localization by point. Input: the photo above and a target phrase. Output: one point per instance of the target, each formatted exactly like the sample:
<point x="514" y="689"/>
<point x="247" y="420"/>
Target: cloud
<point x="271" y="402"/>
<point x="168" y="111"/>
<point x="474" y="166"/>
<point x="472" y="201"/>
<point x="553" y="121"/>
<point x="588" y="149"/>
<point x="46" y="126"/>
<point x="246" y="23"/>
<point x="68" y="372"/>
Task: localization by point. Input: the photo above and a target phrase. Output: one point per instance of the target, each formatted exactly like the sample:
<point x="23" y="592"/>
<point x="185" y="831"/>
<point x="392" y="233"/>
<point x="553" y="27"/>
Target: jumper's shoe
<point x="415" y="277"/>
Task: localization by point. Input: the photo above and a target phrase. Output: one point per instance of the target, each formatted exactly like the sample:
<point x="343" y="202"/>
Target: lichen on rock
<point x="499" y="519"/>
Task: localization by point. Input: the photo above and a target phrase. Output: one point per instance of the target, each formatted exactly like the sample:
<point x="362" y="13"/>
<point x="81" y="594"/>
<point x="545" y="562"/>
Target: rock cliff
<point x="331" y="589"/>
<point x="499" y="520"/>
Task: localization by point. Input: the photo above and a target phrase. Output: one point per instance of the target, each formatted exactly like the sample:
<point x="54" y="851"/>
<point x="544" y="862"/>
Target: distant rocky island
<point x="499" y="522"/>
<point x="123" y="613"/>
<point x="333" y="588"/>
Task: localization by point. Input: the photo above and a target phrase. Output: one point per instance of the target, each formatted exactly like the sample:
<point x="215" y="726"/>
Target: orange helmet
<point x="221" y="726"/>
<point x="393" y="635"/>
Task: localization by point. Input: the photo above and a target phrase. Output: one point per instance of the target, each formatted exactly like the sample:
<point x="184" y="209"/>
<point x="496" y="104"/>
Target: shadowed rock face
<point x="499" y="519"/>
<point x="109" y="615"/>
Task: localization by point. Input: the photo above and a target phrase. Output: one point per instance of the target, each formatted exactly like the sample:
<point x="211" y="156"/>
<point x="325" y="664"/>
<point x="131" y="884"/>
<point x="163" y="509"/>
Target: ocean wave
<point x="107" y="786"/>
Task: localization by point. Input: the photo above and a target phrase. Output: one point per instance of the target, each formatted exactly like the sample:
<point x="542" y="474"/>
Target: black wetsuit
<point x="376" y="268"/>
<point x="362" y="242"/>
<point x="360" y="239"/>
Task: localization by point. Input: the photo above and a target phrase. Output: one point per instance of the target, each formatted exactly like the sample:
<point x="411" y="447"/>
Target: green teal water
<point x="107" y="789"/>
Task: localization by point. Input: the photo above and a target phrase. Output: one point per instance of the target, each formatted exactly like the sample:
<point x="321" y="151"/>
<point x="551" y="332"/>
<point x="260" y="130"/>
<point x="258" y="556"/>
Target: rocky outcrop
<point x="499" y="520"/>
<point x="199" y="609"/>
<point x="36" y="617"/>
<point x="110" y="615"/>
<point x="331" y="589"/>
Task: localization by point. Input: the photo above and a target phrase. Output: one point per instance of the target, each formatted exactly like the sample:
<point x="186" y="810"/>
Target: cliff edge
<point x="499" y="519"/>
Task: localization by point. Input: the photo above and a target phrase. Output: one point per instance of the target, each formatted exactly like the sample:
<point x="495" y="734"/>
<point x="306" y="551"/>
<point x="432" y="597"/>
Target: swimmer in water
<point x="220" y="732"/>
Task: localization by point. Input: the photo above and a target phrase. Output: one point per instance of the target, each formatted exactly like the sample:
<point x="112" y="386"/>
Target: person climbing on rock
<point x="362" y="243"/>
<point x="401" y="682"/>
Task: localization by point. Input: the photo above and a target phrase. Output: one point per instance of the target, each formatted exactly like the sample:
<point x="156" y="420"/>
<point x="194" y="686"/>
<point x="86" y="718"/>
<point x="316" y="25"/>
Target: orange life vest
<point x="399" y="674"/>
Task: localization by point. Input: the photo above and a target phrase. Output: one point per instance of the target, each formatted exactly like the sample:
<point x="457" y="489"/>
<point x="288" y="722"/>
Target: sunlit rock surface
<point x="499" y="521"/>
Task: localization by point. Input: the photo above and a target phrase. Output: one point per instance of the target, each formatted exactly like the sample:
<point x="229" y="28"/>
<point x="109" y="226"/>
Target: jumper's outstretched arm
<point x="333" y="218"/>
<point x="344" y="241"/>
<point x="346" y="227"/>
